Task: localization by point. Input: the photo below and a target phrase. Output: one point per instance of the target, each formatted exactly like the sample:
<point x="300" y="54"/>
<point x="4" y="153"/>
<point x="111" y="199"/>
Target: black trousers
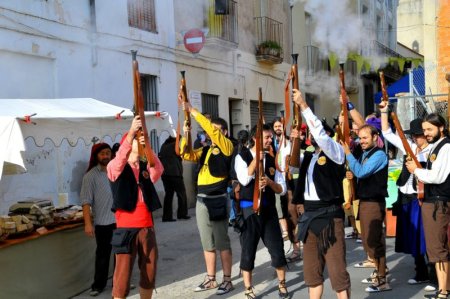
<point x="267" y="228"/>
<point x="174" y="184"/>
<point x="103" y="235"/>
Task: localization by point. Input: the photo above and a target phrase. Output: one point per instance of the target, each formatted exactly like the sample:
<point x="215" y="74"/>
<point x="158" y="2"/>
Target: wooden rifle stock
<point x="145" y="150"/>
<point x="187" y="121"/>
<point x="259" y="170"/>
<point x="410" y="156"/>
<point x="294" y="159"/>
<point x="345" y="136"/>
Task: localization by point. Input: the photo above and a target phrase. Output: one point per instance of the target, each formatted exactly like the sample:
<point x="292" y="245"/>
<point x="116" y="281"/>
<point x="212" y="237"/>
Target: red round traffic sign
<point x="194" y="40"/>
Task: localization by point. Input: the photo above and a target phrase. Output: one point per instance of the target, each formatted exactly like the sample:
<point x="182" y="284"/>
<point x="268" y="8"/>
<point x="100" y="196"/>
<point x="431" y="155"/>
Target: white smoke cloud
<point x="337" y="29"/>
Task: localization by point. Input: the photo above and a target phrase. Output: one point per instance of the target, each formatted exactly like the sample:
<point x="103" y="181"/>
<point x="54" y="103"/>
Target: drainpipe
<point x="93" y="33"/>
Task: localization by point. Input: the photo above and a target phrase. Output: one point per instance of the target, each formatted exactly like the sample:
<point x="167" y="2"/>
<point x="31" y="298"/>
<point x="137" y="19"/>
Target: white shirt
<point x="422" y="156"/>
<point x="244" y="179"/>
<point x="440" y="169"/>
<point x="330" y="147"/>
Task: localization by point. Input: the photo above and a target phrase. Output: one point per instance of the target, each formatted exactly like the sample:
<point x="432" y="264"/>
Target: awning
<point x="75" y="120"/>
<point x="402" y="85"/>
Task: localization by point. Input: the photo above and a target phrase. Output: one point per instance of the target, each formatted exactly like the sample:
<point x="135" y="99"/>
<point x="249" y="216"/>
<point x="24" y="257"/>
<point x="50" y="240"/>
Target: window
<point x="379" y="30"/>
<point x="210" y="104"/>
<point x="269" y="112"/>
<point x="149" y="90"/>
<point x="222" y="20"/>
<point x="141" y="14"/>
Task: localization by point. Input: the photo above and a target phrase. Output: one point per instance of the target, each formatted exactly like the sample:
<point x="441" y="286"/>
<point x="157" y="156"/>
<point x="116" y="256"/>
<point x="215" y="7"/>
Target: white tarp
<point x="76" y="120"/>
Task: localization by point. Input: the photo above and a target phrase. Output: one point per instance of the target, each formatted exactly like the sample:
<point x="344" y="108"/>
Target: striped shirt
<point x="96" y="192"/>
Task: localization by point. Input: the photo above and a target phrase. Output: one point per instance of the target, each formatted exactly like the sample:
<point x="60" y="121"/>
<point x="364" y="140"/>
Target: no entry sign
<point x="194" y="40"/>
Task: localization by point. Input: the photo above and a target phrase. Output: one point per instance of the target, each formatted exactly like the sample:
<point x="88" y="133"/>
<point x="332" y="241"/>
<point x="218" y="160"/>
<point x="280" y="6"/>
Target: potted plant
<point x="269" y="47"/>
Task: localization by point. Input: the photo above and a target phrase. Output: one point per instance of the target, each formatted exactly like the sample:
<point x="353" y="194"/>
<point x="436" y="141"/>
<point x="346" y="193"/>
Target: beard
<point x="434" y="138"/>
<point x="104" y="162"/>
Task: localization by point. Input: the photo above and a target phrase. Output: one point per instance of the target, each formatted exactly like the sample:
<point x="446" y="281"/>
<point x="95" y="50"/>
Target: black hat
<point x="415" y="127"/>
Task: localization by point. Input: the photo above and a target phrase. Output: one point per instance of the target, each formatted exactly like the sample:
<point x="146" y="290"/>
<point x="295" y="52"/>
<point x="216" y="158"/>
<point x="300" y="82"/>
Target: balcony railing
<point x="269" y="41"/>
<point x="223" y="27"/>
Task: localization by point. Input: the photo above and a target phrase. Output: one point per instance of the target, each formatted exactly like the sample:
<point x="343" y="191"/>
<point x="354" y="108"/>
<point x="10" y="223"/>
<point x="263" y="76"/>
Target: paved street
<point x="181" y="268"/>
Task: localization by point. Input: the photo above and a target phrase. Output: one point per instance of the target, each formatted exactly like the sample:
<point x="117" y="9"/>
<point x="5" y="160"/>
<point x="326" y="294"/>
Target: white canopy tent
<point x="52" y="137"/>
<point x="75" y="120"/>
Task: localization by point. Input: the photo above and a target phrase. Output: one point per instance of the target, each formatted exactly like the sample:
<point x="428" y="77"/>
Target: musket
<point x="345" y="135"/>
<point x="187" y="121"/>
<point x="259" y="169"/>
<point x="294" y="156"/>
<point x="145" y="150"/>
<point x="410" y="156"/>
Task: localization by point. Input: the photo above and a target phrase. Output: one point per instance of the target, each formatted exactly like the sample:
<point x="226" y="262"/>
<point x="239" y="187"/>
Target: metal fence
<point x="428" y="93"/>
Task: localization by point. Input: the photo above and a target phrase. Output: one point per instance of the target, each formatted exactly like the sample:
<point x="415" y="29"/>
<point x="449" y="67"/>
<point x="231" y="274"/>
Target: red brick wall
<point x="443" y="43"/>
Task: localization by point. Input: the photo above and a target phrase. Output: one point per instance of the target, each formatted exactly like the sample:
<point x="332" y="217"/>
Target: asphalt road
<point x="181" y="268"/>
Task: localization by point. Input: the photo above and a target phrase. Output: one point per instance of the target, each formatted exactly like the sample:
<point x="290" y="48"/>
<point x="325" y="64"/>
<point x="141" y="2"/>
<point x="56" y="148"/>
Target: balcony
<point x="377" y="49"/>
<point x="269" y="41"/>
<point x="222" y="23"/>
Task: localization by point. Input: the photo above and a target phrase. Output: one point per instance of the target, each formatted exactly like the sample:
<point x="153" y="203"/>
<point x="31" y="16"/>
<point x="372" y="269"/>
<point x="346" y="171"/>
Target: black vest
<point x="405" y="175"/>
<point x="246" y="192"/>
<point x="327" y="180"/>
<point x="437" y="191"/>
<point x="373" y="187"/>
<point x="125" y="190"/>
<point x="218" y="165"/>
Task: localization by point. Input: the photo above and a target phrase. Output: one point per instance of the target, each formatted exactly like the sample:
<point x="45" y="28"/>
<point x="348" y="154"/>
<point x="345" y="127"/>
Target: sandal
<point x="208" y="284"/>
<point x="295" y="256"/>
<point x="380" y="285"/>
<point x="282" y="290"/>
<point x="437" y="295"/>
<point x="365" y="264"/>
<point x="249" y="294"/>
<point x="226" y="286"/>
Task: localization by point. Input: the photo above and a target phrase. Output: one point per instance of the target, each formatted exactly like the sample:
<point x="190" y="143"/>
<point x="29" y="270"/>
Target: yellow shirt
<point x="218" y="139"/>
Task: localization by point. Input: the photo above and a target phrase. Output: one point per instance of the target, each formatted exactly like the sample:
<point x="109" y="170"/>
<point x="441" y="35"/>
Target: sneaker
<point x="208" y="283"/>
<point x="417" y="281"/>
<point x="429" y="288"/>
<point x="94" y="293"/>
<point x="353" y="235"/>
<point x="437" y="295"/>
<point x="225" y="287"/>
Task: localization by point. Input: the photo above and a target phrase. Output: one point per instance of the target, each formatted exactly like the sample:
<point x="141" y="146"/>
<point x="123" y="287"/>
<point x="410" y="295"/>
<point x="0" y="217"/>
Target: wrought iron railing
<point x="269" y="37"/>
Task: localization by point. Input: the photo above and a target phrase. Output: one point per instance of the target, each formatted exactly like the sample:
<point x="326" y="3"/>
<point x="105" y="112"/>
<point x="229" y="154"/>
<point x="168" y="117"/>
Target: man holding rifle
<point x="213" y="164"/>
<point x="263" y="225"/>
<point x="435" y="208"/>
<point x="321" y="226"/>
<point x="371" y="171"/>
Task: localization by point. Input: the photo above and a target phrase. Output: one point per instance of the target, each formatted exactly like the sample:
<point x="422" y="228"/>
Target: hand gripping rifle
<point x="345" y="136"/>
<point x="294" y="156"/>
<point x="187" y="121"/>
<point x="259" y="169"/>
<point x="410" y="156"/>
<point x="145" y="150"/>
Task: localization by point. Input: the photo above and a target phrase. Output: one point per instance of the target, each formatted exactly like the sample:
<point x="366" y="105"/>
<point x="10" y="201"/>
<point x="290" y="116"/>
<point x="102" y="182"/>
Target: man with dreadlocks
<point x="321" y="226"/>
